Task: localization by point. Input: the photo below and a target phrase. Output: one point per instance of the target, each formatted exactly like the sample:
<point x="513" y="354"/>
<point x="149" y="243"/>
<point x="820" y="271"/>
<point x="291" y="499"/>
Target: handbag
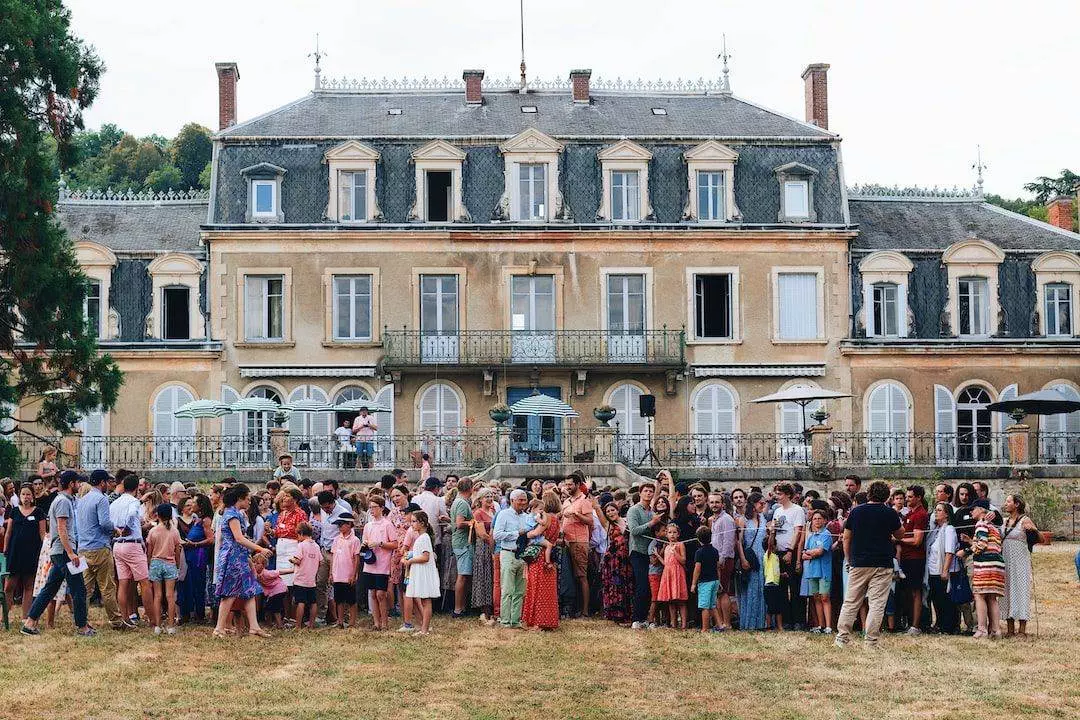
<point x="742" y="574"/>
<point x="531" y="553"/>
<point x="959" y="587"/>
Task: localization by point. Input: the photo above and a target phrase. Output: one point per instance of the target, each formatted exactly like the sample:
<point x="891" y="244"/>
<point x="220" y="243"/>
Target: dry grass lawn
<point x="588" y="669"/>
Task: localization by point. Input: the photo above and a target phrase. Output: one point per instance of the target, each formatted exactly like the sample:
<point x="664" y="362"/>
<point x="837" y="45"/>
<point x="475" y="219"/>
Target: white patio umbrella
<point x="255" y="404"/>
<point x="307" y="406"/>
<point x="801" y="396"/>
<point x="538" y="405"/>
<point x="203" y="409"/>
<point x="355" y="405"/>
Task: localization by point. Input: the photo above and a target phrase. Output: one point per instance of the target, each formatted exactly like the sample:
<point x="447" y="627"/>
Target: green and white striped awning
<point x="542" y="406"/>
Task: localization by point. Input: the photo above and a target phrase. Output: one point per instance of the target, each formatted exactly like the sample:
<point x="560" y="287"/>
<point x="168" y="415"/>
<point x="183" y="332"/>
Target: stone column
<point x="1019" y="436"/>
<point x="279" y="443"/>
<point x="71" y="449"/>
<point x="502" y="443"/>
<point x="821" y="454"/>
<point x="604" y="442"/>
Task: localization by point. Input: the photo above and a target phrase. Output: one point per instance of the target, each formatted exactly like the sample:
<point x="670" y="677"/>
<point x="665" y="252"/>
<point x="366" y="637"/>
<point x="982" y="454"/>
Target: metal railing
<point x="554" y="347"/>
<point x="468" y="448"/>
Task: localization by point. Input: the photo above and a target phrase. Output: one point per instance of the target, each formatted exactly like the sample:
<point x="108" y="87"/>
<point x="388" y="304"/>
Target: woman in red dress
<point x="541" y="608"/>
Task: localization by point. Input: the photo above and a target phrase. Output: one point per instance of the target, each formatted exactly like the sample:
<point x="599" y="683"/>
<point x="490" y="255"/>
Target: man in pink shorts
<point x="129" y="552"/>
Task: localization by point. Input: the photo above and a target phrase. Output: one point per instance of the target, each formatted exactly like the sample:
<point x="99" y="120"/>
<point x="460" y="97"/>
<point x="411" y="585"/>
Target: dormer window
<point x="796" y="192"/>
<point x="972" y="267"/>
<point x="1057" y="277"/>
<point x="352" y="183"/>
<point x="532" y="191"/>
<point x="974" y="307"/>
<point x="885" y="282"/>
<point x="711" y="169"/>
<point x="531" y="177"/>
<point x="625" y="170"/>
<point x="264" y="193"/>
<point x="92" y="307"/>
<point x="438" y="183"/>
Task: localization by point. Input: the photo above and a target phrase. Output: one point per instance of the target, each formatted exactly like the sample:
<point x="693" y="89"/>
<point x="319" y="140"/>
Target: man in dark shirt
<point x="868" y="546"/>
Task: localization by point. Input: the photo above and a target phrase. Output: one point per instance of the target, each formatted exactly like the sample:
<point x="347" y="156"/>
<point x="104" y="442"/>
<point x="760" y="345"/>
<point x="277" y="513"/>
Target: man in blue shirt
<point x="96" y="533"/>
<point x="509" y="525"/>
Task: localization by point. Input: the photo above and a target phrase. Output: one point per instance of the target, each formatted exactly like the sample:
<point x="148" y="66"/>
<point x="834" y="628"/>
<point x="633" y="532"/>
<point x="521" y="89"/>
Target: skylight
<point x="393" y="111"/>
<point x="659" y="111"/>
<point x="528" y="108"/>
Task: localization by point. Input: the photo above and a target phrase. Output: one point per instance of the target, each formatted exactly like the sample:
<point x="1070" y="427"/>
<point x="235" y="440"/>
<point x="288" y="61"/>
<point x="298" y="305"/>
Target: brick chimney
<point x="1059" y="212"/>
<point x="817" y="94"/>
<point x="474" y="93"/>
<point x="227" y="75"/>
<point x="579" y="83"/>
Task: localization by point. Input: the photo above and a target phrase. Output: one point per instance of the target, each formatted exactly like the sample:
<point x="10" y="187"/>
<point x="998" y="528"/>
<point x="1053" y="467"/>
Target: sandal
<point x="222" y="635"/>
<point x="260" y="633"/>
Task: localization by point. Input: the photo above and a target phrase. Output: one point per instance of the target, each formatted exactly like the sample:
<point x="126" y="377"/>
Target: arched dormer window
<point x="97" y="263"/>
<point x="531" y="167"/>
<point x="711" y="172"/>
<point x="973" y="287"/>
<point x="624" y="168"/>
<point x="885" y="283"/>
<point x="438" y="183"/>
<point x="1057" y="280"/>
<point x="175" y="306"/>
<point x="352" y="183"/>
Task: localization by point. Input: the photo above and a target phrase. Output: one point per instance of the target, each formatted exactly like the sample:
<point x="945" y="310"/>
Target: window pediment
<point x="973" y="251"/>
<point x="263" y="170"/>
<point x="351" y="150"/>
<point x="531" y="141"/>
<point x="1057" y="261"/>
<point x="795" y="169"/>
<point x="624" y="150"/>
<point x="92" y="254"/>
<point x="885" y="261"/>
<point x="438" y="150"/>
<point x="711" y="150"/>
<point x="175" y="264"/>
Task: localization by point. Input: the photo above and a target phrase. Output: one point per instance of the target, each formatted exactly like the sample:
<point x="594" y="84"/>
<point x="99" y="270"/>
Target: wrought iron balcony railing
<point x="414" y="348"/>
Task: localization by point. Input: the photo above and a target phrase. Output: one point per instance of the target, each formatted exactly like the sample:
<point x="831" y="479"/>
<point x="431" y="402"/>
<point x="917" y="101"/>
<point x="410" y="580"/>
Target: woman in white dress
<point x="1016" y="605"/>
<point x="421" y="572"/>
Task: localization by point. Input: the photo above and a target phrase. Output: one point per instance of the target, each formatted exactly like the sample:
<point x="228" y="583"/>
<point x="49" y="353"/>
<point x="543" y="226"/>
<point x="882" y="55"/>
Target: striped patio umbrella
<point x="307" y="406"/>
<point x="355" y="405"/>
<point x="539" y="405"/>
<point x="203" y="409"/>
<point x="255" y="404"/>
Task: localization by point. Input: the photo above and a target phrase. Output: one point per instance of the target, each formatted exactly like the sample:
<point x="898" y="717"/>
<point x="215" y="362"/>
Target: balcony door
<point x="973" y="427"/>
<point x="534" y="439"/>
<point x="626" y="318"/>
<point x="439" y="318"/>
<point x="532" y="318"/>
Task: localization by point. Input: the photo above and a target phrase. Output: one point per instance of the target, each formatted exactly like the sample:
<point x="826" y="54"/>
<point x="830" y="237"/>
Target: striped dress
<point x="988" y="566"/>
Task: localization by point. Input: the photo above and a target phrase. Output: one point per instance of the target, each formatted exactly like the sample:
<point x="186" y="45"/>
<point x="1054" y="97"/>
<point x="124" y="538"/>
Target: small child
<point x="306" y="562"/>
<point x="273" y="588"/>
<point x="656" y="569"/>
<point x="539" y="517"/>
<point x="774" y="591"/>
<point x="422" y="570"/>
<point x="706" y="581"/>
<point x="673" y="581"/>
<point x="344" y="569"/>
<point x="817" y="570"/>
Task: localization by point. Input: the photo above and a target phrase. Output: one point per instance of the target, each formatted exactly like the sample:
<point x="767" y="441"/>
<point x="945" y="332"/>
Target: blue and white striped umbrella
<point x="542" y="406"/>
<point x="307" y="406"/>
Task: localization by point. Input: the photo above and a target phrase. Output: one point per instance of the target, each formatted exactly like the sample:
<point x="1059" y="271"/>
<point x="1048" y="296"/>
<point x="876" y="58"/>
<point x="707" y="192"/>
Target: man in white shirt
<point x="344" y="440"/>
<point x="128" y="553"/>
<point x="789" y="520"/>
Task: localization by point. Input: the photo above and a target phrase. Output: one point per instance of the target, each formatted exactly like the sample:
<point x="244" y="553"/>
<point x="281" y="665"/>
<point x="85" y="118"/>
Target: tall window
<point x="798" y="313"/>
<point x="974" y="306"/>
<point x="887" y="424"/>
<point x="886" y="310"/>
<point x="797" y="199"/>
<point x="973" y="427"/>
<point x="532" y="191"/>
<point x="352" y="195"/>
<point x="625" y="197"/>
<point x="264" y="307"/>
<point x="352" y="307"/>
<point x="174" y="438"/>
<point x="712" y="307"/>
<point x="263" y="198"/>
<point x="176" y="303"/>
<point x="710" y="189"/>
<point x="92" y="307"/>
<point x="1058" y="309"/>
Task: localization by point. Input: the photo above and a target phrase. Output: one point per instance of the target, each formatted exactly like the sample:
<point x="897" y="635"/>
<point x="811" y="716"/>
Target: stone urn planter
<point x="604" y="414"/>
<point x="499" y="414"/>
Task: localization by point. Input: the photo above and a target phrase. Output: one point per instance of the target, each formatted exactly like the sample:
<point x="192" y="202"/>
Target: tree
<point x="204" y="176"/>
<point x="1046" y="188"/>
<point x="47" y="78"/>
<point x="189" y="151"/>
<point x="166" y="177"/>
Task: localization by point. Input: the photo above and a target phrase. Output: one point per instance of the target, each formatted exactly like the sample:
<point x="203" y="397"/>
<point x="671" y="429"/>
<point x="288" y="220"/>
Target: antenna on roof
<point x="978" y="167"/>
<point x="318" y="55"/>
<point x="521" y="8"/>
<point x="725" y="84"/>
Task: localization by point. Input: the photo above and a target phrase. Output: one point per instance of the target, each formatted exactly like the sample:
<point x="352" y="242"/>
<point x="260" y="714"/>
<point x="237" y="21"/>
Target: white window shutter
<point x="899" y="410"/>
<point x="725" y="410"/>
<point x="901" y="310"/>
<point x="704" y="412"/>
<point x="868" y="309"/>
<point x="230" y="424"/>
<point x="450" y="415"/>
<point x="298" y="422"/>
<point x="1008" y="393"/>
<point x="878" y="416"/>
<point x="253" y="308"/>
<point x="944" y="425"/>
<point x="625" y="401"/>
<point x="385" y="397"/>
<point x="319" y="423"/>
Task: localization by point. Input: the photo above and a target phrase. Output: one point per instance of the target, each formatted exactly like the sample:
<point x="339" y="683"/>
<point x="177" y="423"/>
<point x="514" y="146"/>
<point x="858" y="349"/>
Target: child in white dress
<point x="421" y="572"/>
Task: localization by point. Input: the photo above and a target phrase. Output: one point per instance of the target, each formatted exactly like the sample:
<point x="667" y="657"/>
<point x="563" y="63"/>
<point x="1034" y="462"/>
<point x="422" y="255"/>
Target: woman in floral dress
<point x="234" y="576"/>
<point x="616" y="573"/>
<point x="541" y="608"/>
<point x="398" y="502"/>
<point x="483" y="547"/>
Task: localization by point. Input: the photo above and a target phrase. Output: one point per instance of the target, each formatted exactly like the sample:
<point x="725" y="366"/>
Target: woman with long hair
<point x="1016" y="605"/>
<point x="234" y="577"/>
<point x="541" y="607"/>
<point x="616" y="574"/>
<point x="750" y="546"/>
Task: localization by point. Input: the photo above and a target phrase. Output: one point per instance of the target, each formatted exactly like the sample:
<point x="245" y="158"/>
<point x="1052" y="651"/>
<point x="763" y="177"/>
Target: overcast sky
<point x="913" y="87"/>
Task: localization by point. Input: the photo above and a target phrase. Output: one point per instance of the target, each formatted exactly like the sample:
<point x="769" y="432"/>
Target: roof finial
<point x="521" y="8"/>
<point x="318" y="55"/>
<point x="725" y="83"/>
<point x="979" y="166"/>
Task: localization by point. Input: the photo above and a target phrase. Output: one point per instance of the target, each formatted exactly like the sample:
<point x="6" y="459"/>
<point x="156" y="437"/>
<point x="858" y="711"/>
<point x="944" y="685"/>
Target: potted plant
<point x="1046" y="506"/>
<point x="605" y="414"/>
<point x="499" y="414"/>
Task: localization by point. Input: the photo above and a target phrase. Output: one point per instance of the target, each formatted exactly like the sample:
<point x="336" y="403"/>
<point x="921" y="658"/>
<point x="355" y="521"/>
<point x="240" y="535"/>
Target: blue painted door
<point x="534" y="439"/>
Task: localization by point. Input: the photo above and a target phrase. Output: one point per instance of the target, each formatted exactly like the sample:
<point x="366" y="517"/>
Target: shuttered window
<point x="798" y="313"/>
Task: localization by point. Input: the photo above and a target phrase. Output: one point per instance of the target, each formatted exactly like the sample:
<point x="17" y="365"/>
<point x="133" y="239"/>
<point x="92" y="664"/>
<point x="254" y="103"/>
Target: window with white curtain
<point x="1058" y="309"/>
<point x="532" y="191"/>
<point x="625" y="197"/>
<point x="798" y="306"/>
<point x="352" y="307"/>
<point x="797" y="199"/>
<point x="352" y="195"/>
<point x="264" y="303"/>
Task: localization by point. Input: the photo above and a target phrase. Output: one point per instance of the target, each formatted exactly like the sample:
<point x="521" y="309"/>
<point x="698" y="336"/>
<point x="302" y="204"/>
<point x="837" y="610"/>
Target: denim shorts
<point x="162" y="570"/>
<point x="818" y="586"/>
<point x="365" y="448"/>
<point x="464" y="558"/>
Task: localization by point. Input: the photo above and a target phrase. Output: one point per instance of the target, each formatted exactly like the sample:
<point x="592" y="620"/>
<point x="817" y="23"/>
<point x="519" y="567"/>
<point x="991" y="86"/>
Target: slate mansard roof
<point x="446" y="115"/>
<point x="908" y="223"/>
<point x="142" y="228"/>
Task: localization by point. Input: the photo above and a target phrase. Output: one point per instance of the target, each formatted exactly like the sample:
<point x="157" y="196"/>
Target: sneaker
<point x="134" y="618"/>
<point x="27" y="630"/>
<point x="406" y="628"/>
<point x="914" y="631"/>
<point x="170" y="631"/>
<point x="86" y="632"/>
<point x="827" y="631"/>
<point x="636" y="625"/>
<point x="814" y="630"/>
<point x="456" y="615"/>
<point x="653" y="626"/>
<point x="157" y="629"/>
<point x="839" y="643"/>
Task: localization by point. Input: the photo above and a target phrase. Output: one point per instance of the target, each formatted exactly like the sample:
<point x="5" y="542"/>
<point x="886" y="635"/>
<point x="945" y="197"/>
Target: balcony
<point x="557" y="348"/>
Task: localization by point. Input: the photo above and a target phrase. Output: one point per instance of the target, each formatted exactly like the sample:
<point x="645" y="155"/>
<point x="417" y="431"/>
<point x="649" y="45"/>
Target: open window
<point x="712" y="307"/>
<point x="438" y="187"/>
<point x="176" y="303"/>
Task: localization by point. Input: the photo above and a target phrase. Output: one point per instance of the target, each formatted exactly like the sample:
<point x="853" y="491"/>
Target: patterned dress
<point x="988" y="573"/>
<point x="483" y="566"/>
<point x="233" y="574"/>
<point x="401" y="526"/>
<point x="617" y="577"/>
<point x="1017" y="602"/>
<point x="751" y="591"/>
<point x="541" y="608"/>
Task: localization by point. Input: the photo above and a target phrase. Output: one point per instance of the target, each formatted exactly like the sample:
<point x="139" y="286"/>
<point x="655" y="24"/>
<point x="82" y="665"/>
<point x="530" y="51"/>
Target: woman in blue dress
<point x="750" y="541"/>
<point x="198" y="547"/>
<point x="233" y="576"/>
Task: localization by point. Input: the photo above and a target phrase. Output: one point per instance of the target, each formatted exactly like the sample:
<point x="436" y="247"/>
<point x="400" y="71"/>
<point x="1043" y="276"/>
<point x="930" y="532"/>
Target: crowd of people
<point x="301" y="554"/>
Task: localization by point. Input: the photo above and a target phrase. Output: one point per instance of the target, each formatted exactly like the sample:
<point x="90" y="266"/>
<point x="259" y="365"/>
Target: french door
<point x="439" y="318"/>
<point x="626" y="318"/>
<point x="532" y="318"/>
